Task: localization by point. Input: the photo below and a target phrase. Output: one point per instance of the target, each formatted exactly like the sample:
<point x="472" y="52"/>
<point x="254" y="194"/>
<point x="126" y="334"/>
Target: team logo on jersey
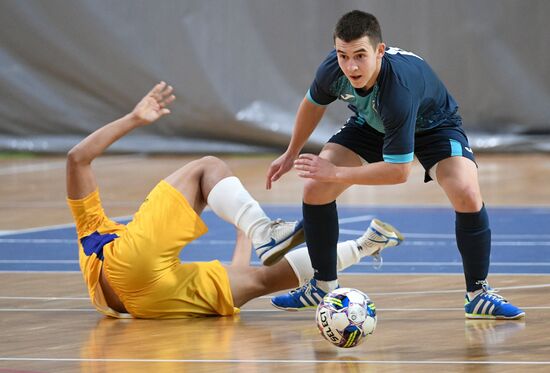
<point x="346" y="97"/>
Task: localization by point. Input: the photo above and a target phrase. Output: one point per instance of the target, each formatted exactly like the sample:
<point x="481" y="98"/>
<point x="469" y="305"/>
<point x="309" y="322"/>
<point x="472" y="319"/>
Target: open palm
<point x="155" y="104"/>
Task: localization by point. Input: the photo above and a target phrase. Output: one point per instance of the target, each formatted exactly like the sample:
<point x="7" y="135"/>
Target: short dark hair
<point x="356" y="24"/>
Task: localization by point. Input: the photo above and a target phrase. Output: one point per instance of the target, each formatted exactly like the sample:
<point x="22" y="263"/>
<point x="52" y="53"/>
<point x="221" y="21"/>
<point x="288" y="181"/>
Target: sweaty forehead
<point x="358" y="45"/>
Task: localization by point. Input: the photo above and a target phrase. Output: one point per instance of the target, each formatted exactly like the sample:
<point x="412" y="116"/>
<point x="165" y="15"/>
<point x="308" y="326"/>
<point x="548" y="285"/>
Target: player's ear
<point x="380" y="50"/>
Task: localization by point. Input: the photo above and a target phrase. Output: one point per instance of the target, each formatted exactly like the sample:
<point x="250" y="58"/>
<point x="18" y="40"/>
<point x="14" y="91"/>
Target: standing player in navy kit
<point x="400" y="109"/>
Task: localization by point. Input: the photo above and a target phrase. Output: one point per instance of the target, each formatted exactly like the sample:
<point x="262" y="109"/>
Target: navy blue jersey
<point x="407" y="98"/>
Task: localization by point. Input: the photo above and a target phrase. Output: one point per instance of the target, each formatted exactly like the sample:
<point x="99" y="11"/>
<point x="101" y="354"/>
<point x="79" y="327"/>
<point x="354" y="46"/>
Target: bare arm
<point x="80" y="177"/>
<point x="380" y="173"/>
<point x="308" y="117"/>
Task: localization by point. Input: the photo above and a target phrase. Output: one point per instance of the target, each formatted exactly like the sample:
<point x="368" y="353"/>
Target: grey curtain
<point x="241" y="67"/>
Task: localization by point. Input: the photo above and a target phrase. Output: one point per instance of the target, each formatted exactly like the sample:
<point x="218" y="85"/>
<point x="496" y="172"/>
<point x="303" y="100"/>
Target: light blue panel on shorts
<point x="456" y="148"/>
<point x="398" y="158"/>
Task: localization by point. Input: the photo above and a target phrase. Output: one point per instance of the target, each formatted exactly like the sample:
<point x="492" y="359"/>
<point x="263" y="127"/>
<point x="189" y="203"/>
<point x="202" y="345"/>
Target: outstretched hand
<point x="278" y="168"/>
<point x="155" y="104"/>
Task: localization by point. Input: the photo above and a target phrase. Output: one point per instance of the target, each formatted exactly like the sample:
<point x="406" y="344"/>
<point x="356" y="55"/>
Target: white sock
<point x="346" y="251"/>
<point x="231" y="201"/>
<point x="327" y="286"/>
<point x="348" y="254"/>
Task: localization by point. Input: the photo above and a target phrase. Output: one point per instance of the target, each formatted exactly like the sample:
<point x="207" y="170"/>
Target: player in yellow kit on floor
<point x="134" y="269"/>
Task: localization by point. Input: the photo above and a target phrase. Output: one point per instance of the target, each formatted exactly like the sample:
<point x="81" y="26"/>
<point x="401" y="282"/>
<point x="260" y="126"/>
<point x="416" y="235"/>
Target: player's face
<point x="360" y="61"/>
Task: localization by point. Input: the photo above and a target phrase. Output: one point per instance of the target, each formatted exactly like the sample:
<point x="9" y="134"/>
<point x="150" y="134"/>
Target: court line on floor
<point x="415" y="237"/>
<point x="373" y="294"/>
<point x="36" y="229"/>
<point x="519" y="287"/>
<point x="264" y="309"/>
<point x="56" y="165"/>
<point x="48" y="310"/>
<point x="32" y="167"/>
<point x="360" y="264"/>
<point x="453" y="309"/>
<point x="347" y="220"/>
<point x="378" y="309"/>
<point x="44" y="298"/>
<point x="51" y="227"/>
<point x="355" y="219"/>
<point x="451" y="236"/>
<point x="276" y="361"/>
<point x="345" y="272"/>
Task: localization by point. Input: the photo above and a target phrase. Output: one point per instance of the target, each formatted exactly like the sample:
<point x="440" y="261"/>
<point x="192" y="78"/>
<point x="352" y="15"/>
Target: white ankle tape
<point x="231" y="201"/>
<point x="223" y="198"/>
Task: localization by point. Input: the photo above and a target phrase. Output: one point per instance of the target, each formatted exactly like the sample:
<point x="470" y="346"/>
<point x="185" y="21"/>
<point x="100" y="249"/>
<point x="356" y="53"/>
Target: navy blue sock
<point x="321" y="230"/>
<point x="473" y="238"/>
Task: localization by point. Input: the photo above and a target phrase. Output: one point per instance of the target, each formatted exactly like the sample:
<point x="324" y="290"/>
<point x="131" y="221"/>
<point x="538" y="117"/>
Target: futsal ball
<point x="346" y="317"/>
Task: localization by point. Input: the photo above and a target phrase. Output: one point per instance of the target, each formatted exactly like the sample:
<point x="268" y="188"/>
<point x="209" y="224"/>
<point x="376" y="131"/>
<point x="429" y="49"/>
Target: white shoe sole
<point x="272" y="256"/>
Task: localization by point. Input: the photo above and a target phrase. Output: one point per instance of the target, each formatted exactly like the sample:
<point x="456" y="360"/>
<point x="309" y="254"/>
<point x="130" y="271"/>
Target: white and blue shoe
<point x="306" y="297"/>
<point x="490" y="305"/>
<point x="283" y="237"/>
<point x="378" y="236"/>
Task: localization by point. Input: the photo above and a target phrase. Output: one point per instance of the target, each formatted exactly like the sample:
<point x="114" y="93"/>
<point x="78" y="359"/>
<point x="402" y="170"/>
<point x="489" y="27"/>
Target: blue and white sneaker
<point x="283" y="237"/>
<point x="378" y="236"/>
<point x="305" y="297"/>
<point x="490" y="305"/>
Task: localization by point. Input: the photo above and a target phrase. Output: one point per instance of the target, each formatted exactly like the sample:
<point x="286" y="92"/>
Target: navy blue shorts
<point x="430" y="147"/>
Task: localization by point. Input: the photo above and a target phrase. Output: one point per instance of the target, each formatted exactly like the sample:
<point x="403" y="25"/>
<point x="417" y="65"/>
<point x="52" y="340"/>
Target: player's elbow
<point x="76" y="156"/>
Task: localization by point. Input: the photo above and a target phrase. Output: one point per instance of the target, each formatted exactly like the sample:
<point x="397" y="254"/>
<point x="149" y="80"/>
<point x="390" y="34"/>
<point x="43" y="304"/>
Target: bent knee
<point x="208" y="163"/>
<point x="468" y="199"/>
<point x="313" y="192"/>
<point x="319" y="193"/>
<point x="211" y="161"/>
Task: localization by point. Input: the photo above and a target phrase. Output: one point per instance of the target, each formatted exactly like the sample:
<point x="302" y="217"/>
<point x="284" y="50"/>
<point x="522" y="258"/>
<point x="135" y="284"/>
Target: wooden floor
<point x="48" y="325"/>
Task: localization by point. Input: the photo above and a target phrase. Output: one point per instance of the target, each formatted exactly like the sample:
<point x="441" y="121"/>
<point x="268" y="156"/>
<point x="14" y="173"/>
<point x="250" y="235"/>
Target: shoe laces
<point x="374" y="236"/>
<point x="306" y="288"/>
<point x="276" y="222"/>
<point x="377" y="260"/>
<point x="280" y="228"/>
<point x="490" y="293"/>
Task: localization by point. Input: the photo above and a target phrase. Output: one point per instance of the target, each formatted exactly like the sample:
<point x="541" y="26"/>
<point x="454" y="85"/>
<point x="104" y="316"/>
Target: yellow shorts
<point x="95" y="233"/>
<point x="144" y="269"/>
